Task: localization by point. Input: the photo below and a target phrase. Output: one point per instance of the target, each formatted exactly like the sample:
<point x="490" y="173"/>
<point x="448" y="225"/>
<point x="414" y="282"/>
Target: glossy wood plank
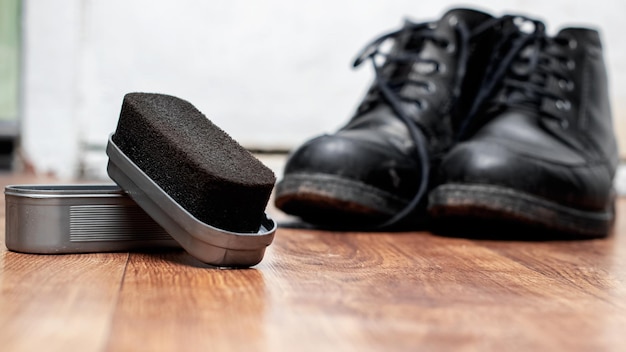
<point x="171" y="302"/>
<point x="320" y="290"/>
<point x="57" y="303"/>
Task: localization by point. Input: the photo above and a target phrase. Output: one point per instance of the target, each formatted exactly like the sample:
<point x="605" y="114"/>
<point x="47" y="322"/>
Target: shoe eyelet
<point x="564" y="105"/>
<point x="428" y="68"/>
<point x="572" y="43"/>
<point x="430" y="87"/>
<point x="451" y="48"/>
<point x="569" y="64"/>
<point x="453" y="21"/>
<point x="566" y="85"/>
<point x="564" y="124"/>
<point x="525" y="25"/>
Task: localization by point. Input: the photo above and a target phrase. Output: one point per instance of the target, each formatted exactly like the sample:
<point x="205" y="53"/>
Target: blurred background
<point x="271" y="73"/>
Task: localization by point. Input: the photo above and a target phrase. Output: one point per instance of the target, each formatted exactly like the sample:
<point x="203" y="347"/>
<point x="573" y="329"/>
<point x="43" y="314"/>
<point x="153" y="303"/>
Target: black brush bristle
<point x="194" y="161"/>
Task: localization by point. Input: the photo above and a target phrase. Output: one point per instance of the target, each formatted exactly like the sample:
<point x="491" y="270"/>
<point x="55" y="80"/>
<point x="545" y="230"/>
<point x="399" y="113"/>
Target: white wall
<point x="271" y="73"/>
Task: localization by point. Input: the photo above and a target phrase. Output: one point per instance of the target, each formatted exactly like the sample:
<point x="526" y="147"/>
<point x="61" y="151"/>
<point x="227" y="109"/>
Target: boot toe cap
<point x="370" y="163"/>
<point x="580" y="185"/>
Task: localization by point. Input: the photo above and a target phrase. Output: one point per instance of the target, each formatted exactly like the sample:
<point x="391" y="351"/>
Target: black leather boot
<point x="542" y="151"/>
<point x="375" y="170"/>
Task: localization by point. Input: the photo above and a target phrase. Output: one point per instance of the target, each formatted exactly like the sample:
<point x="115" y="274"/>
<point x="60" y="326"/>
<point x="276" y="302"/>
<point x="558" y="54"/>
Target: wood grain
<point x="321" y="290"/>
<point x="57" y="303"/>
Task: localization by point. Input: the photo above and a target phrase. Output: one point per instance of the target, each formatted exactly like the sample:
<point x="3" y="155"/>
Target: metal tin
<point x="207" y="243"/>
<point x="57" y="219"/>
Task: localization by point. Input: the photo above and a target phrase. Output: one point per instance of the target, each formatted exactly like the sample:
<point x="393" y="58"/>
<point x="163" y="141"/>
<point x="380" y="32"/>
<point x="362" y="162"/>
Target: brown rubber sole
<point x="503" y="204"/>
<point x="323" y="198"/>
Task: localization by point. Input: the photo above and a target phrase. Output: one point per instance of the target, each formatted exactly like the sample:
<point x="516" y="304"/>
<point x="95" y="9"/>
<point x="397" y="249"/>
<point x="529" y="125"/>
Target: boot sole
<point x="504" y="204"/>
<point x="326" y="198"/>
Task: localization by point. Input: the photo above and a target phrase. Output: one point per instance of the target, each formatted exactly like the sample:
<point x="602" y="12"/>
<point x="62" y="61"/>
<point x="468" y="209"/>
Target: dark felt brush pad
<point x="194" y="161"/>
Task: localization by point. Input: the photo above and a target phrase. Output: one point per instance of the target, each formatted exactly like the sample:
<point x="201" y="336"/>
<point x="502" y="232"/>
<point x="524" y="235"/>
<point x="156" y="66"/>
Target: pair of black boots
<point x="469" y="117"/>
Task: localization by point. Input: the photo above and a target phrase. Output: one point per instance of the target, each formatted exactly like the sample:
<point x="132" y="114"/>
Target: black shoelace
<point x="517" y="76"/>
<point x="389" y="88"/>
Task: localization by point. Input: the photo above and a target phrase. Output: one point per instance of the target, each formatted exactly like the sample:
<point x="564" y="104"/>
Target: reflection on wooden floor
<point x="324" y="291"/>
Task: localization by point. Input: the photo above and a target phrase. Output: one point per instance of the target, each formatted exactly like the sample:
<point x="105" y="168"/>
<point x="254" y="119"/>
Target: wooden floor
<point x="325" y="291"/>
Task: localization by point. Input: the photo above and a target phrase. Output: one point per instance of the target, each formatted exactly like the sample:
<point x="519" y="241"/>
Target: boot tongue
<point x="413" y="41"/>
<point x="525" y="71"/>
<point x="410" y="40"/>
<point x="415" y="38"/>
<point x="471" y="18"/>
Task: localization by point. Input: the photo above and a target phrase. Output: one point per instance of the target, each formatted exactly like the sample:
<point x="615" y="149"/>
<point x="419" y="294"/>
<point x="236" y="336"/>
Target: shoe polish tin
<point x="58" y="219"/>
